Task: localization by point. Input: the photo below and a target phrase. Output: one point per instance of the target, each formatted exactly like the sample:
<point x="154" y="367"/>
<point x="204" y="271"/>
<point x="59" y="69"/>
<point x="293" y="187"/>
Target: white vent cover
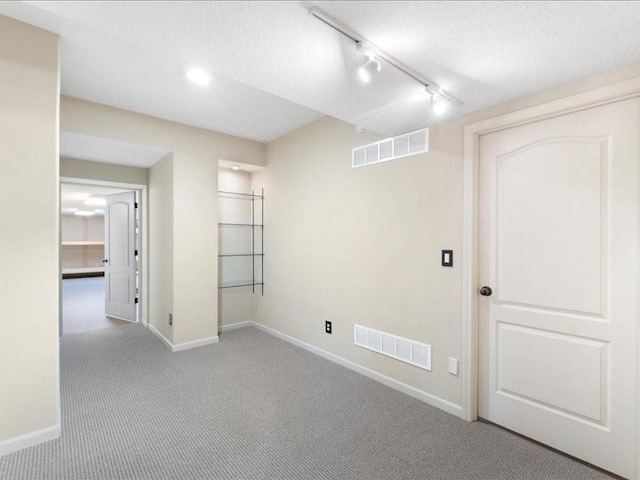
<point x="411" y="143"/>
<point x="415" y="353"/>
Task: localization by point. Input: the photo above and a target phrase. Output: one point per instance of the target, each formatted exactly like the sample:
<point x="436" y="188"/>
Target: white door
<point x="558" y="246"/>
<point x="120" y="260"/>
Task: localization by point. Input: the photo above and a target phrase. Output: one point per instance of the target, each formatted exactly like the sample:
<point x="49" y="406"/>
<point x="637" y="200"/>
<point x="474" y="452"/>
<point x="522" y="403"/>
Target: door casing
<point x="143" y="242"/>
<point x="472" y="132"/>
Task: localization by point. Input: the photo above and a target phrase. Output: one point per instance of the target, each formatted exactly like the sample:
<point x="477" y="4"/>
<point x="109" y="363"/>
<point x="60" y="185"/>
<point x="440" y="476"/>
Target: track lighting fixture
<point x="198" y="76"/>
<point x="440" y="98"/>
<point x="439" y="105"/>
<point x="369" y="70"/>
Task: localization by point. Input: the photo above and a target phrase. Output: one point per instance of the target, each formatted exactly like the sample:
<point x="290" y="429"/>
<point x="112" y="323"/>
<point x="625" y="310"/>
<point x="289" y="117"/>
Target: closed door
<point x="558" y="247"/>
<point x="120" y="260"/>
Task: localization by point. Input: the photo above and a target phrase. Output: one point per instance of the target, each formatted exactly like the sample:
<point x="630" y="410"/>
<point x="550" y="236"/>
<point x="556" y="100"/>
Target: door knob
<point x="486" y="291"/>
<point x="105" y="260"/>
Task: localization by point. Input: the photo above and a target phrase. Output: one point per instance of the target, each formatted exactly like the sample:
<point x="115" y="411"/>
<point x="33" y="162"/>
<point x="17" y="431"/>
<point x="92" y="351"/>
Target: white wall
<point x="192" y="221"/>
<point x="29" y="192"/>
<point x="363" y="245"/>
<point x="237" y="305"/>
<point x="160" y="236"/>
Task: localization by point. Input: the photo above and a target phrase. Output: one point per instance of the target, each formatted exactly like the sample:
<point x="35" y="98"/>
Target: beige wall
<point x="29" y="93"/>
<point x="160" y="236"/>
<point x="363" y="245"/>
<point x="192" y="223"/>
<point x="104" y="172"/>
<point x="236" y="305"/>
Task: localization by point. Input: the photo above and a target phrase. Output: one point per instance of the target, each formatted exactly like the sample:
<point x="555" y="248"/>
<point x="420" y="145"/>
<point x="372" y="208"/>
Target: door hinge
<point x="135" y="252"/>
<point x="136" y="300"/>
<point x="135" y="205"/>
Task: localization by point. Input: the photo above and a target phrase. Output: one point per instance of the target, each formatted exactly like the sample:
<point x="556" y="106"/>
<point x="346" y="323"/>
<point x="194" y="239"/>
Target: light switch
<point x="447" y="258"/>
<point x="454" y="366"/>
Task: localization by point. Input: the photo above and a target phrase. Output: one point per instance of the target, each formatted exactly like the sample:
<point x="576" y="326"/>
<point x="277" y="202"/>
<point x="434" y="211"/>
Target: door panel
<point x="577" y="388"/>
<point x="120" y="266"/>
<point x="533" y="183"/>
<point x="558" y="245"/>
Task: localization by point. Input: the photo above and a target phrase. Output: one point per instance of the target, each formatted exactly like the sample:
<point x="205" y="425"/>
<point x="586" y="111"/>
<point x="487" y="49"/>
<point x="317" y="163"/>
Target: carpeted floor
<point x="83" y="305"/>
<point x="254" y="407"/>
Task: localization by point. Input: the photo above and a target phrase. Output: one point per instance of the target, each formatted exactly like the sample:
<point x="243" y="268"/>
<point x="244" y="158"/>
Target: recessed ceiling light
<point x="95" y="201"/>
<point x="198" y="76"/>
<point x="235" y="167"/>
<point x="84" y="213"/>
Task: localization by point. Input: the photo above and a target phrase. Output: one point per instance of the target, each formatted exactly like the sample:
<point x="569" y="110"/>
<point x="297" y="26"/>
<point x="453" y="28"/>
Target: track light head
<point x="439" y="103"/>
<point x="440" y="106"/>
<point x="369" y="70"/>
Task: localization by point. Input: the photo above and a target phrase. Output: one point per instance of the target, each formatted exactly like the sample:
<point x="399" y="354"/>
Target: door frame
<point x="472" y="132"/>
<point x="142" y="240"/>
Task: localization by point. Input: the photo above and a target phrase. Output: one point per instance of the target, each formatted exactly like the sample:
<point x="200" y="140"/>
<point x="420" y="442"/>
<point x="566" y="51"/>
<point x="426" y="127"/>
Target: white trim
<point x="144" y="237"/>
<point x="30" y="439"/>
<point x="235" y="326"/>
<point x="162" y="338"/>
<point x="472" y="132"/>
<point x="432" y="400"/>
<point x="144" y="322"/>
<point x="178" y="347"/>
<point x="102" y="183"/>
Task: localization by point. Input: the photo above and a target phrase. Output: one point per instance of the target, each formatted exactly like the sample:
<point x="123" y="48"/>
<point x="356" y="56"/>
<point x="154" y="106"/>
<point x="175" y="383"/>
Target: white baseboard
<point x="234" y="326"/>
<point x="143" y="322"/>
<point x="428" y="398"/>
<point x="29" y="439"/>
<point x="162" y="338"/>
<point x="178" y="347"/>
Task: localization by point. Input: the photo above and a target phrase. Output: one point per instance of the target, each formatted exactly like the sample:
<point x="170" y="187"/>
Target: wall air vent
<point x="415" y="353"/>
<point x="404" y="145"/>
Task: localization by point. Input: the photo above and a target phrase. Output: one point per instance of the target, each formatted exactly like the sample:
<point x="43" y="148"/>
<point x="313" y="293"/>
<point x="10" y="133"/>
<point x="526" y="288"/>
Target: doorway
<point x="100" y="233"/>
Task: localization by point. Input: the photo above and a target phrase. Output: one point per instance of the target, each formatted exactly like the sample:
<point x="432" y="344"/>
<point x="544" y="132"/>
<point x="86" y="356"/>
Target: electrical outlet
<point x="327" y="327"/>
<point x="454" y="366"/>
<point x="171" y="319"/>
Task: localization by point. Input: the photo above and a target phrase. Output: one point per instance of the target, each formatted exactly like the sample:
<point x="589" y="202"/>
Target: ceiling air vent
<point x="411" y="143"/>
<point x="405" y="350"/>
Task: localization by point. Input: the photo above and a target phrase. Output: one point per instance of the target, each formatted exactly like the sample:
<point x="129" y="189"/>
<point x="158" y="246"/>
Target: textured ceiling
<point x="133" y="55"/>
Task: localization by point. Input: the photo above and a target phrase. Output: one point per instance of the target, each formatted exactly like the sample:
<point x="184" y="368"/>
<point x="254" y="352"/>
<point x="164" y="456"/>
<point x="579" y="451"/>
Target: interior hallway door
<point x="120" y="258"/>
<point x="558" y="322"/>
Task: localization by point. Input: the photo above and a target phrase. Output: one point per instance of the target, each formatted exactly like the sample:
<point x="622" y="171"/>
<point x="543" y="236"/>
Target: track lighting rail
<point x="370" y="50"/>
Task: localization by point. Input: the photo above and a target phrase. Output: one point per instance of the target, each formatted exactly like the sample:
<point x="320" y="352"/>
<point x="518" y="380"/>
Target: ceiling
<point x="276" y="68"/>
<point x="72" y="196"/>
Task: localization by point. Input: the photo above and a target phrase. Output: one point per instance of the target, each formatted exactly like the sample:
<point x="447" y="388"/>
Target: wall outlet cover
<point x="327" y="327"/>
<point x="454" y="366"/>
